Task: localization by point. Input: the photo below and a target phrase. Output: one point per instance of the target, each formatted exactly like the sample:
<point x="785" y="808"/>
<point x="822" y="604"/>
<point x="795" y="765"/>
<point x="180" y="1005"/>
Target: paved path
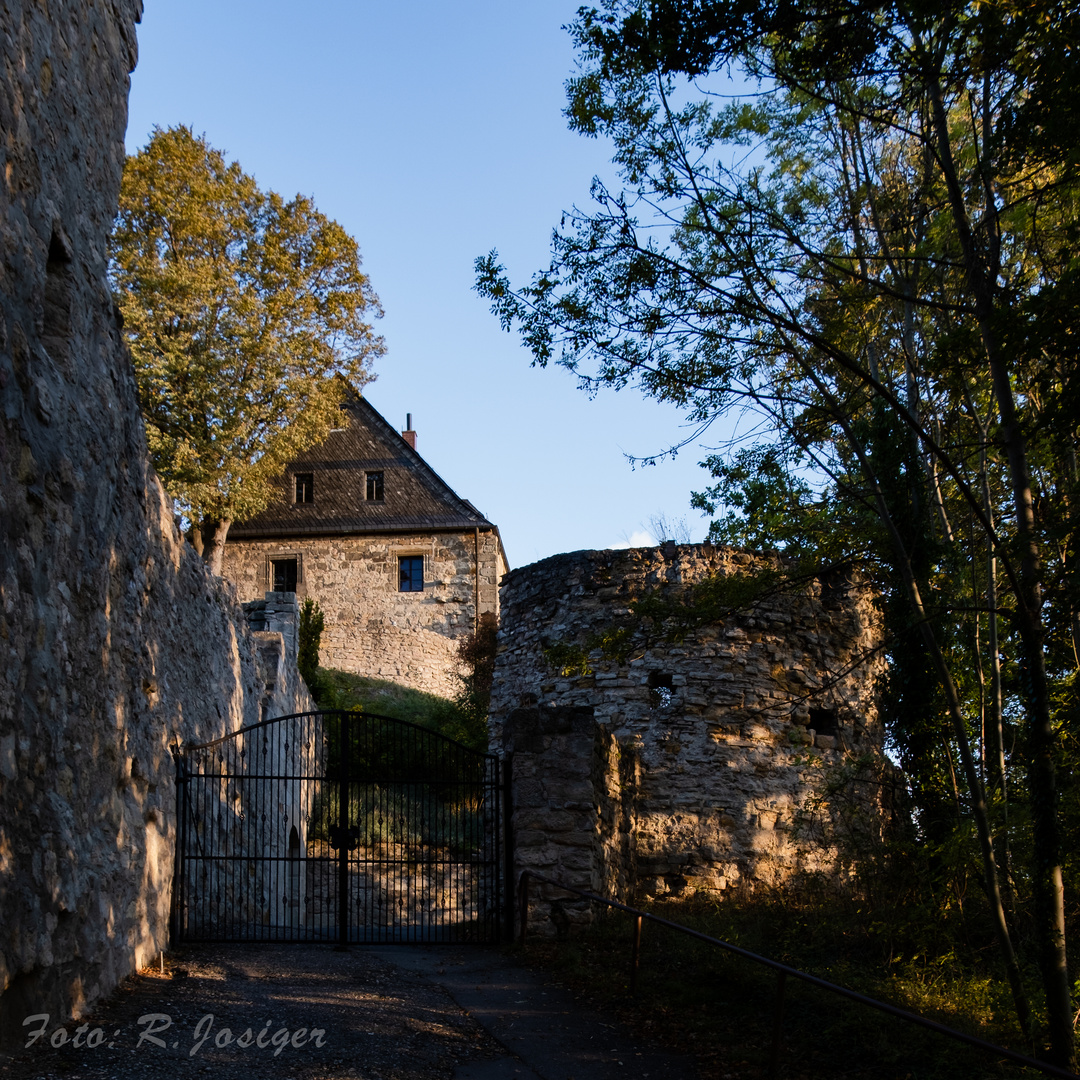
<point x="545" y="1033"/>
<point x="260" y="1012"/>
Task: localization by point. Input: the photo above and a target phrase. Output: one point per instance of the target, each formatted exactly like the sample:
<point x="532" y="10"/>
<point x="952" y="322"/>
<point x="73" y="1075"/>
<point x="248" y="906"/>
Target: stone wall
<point x="574" y="809"/>
<point x="372" y="628"/>
<point x="694" y="765"/>
<point x="274" y="623"/>
<point x="116" y="645"/>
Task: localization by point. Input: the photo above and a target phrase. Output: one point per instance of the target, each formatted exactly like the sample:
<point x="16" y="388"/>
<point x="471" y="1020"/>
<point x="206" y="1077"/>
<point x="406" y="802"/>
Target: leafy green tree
<point x="876" y="254"/>
<point x="238" y="307"/>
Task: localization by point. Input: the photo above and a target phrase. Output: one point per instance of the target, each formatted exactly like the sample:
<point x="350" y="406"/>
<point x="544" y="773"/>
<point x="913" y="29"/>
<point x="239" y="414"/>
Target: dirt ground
<point x="265" y="1013"/>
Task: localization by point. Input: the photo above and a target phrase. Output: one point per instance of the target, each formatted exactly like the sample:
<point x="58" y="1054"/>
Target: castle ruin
<point x="664" y="763"/>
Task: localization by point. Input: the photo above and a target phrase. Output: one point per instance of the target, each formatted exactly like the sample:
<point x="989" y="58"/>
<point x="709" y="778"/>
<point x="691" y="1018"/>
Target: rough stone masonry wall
<point x="274" y="623"/>
<point x="115" y="643"/>
<point x="698" y="762"/>
<point x="372" y="628"/>
<point x="574" y="793"/>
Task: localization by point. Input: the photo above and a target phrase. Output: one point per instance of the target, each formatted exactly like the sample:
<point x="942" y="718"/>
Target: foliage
<point x="310" y="637"/>
<point x="665" y="530"/>
<point x="335" y="689"/>
<point x="238" y="306"/>
<point x="476" y="653"/>
<point x="569" y="659"/>
<point x="876" y="254"/>
<point x="410" y="814"/>
<point x="722" y="1015"/>
<point x="767" y="506"/>
<point x="572" y="659"/>
<point x="712" y="600"/>
<point x="662" y="614"/>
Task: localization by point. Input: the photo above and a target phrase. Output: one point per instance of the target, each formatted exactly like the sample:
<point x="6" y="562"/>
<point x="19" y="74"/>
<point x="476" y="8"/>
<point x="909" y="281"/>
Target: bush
<point x="311" y="628"/>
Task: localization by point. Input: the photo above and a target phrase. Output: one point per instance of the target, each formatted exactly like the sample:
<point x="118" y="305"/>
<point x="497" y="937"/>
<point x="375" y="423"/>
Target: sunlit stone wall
<point x="690" y="765"/>
<point x="372" y="628"/>
<point x="115" y="643"/>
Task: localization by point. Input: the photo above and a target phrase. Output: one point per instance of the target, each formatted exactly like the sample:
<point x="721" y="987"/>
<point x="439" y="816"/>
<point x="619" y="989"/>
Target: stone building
<point x="401" y="566"/>
<point x="696" y="763"/>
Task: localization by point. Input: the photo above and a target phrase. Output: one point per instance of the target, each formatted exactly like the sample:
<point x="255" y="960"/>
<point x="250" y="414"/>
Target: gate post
<point x="343" y="830"/>
<point x="506" y="918"/>
<point x="180" y="840"/>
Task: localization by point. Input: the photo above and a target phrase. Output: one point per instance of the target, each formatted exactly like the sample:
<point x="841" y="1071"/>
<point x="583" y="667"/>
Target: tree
<point x="875" y="254"/>
<point x="238" y="307"/>
<point x="312" y="624"/>
<point x="477" y="654"/>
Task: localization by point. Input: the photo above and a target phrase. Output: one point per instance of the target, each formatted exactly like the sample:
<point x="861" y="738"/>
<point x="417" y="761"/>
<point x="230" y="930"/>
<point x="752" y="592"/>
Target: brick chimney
<point x="408" y="434"/>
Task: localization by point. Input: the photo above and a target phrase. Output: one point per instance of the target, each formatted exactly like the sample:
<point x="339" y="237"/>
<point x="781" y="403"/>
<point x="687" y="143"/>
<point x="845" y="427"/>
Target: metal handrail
<point x="783" y="971"/>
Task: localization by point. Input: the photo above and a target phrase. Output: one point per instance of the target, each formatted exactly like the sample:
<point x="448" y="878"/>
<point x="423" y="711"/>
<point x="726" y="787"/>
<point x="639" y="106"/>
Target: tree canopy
<point x="875" y="252"/>
<point x="239" y="307"/>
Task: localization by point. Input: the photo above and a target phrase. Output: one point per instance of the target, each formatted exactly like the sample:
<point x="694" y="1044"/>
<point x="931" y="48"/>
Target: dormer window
<point x="375" y="487"/>
<point x="305" y="487"/>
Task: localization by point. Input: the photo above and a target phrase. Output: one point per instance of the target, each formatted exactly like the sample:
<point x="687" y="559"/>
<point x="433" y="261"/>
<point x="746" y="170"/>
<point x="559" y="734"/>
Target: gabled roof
<point x="415" y="497"/>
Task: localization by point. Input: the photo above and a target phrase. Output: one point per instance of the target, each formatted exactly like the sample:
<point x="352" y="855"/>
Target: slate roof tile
<point x="415" y="497"/>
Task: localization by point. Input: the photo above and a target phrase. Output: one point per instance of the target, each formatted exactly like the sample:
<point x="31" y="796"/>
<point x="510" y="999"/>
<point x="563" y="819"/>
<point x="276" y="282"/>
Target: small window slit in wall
<point x="661" y="689"/>
<point x="824" y="721"/>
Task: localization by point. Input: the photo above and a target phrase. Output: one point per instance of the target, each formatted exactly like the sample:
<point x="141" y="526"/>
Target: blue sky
<point x="433" y="132"/>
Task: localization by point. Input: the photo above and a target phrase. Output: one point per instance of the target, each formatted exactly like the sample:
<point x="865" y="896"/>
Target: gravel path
<point x="263" y="1013"/>
<point x="296" y="1012"/>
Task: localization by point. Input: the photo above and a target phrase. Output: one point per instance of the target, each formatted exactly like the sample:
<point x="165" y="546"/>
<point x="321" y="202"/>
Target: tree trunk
<point x="995" y="756"/>
<point x="982" y="270"/>
<point x="978" y="807"/>
<point x="213" y="538"/>
<point x="1047" y="877"/>
<point x="998" y="782"/>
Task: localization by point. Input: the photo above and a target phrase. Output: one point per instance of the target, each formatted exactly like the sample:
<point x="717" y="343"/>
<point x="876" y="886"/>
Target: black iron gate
<point x="339" y="826"/>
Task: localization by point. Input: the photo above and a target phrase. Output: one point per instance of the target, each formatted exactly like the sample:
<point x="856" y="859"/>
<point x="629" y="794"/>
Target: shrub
<point x="311" y="628"/>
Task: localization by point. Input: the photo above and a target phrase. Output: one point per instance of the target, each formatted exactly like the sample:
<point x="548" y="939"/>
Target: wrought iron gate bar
<point x="325" y="826"/>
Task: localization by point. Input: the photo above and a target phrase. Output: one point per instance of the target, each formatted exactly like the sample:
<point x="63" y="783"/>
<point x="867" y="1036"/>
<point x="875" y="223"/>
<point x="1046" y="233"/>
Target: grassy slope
<point x="335" y="689"/>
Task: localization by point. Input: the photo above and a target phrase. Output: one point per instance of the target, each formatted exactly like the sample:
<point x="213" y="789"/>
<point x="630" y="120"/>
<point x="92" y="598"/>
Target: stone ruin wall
<point x="372" y="628"/>
<point x="690" y="766"/>
<point x="274" y="623"/>
<point x="115" y="642"/>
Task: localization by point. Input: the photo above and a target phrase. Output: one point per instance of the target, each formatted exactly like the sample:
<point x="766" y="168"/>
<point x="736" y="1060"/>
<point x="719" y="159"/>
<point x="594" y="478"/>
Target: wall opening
<point x="305" y="487"/>
<point x="284" y="571"/>
<point x="824" y="721"/>
<point x="59" y="286"/>
<point x="661" y="689"/>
